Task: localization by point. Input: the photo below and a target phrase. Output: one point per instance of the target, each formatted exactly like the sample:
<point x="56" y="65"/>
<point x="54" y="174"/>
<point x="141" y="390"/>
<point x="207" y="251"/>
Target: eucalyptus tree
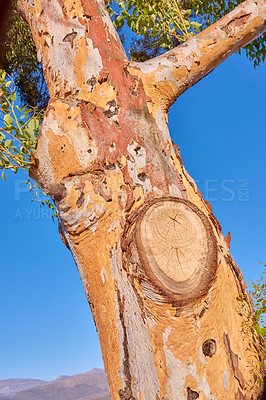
<point x="169" y="302"/>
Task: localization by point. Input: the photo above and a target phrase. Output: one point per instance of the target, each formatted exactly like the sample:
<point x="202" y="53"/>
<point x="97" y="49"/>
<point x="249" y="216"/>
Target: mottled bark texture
<point x="163" y="288"/>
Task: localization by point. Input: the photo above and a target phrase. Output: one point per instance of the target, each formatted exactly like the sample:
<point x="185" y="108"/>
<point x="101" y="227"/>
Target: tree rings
<point x="177" y="248"/>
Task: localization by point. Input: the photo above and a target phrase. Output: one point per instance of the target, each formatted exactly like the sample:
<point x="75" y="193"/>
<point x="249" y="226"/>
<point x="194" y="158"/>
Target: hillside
<point x="9" y="387"/>
<point x="90" y="385"/>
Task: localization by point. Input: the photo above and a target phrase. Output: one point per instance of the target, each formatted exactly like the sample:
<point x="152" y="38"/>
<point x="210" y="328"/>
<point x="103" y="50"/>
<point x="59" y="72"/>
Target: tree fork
<point x="168" y="301"/>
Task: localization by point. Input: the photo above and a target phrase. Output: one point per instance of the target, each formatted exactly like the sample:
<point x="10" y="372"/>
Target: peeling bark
<point x="177" y="70"/>
<point x="170" y="325"/>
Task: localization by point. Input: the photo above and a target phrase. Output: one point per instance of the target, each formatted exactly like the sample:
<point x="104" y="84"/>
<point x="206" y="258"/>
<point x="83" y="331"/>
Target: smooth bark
<point x="177" y="70"/>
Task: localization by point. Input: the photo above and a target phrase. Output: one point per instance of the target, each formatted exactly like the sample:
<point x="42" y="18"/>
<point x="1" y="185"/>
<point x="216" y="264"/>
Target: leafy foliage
<point x="256" y="50"/>
<point x="19" y="59"/>
<point x="145" y="48"/>
<point x="257" y="290"/>
<point x="210" y="11"/>
<point x="18" y="134"/>
<point x="163" y="24"/>
<point x="41" y="197"/>
<point x="19" y="128"/>
<point x="258" y="294"/>
<point x="160" y="19"/>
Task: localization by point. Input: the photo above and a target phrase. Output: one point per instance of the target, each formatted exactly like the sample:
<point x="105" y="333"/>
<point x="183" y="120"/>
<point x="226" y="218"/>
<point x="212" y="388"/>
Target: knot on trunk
<point x="177" y="249"/>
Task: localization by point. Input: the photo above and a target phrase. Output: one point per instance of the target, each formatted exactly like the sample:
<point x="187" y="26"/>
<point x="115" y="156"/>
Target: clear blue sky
<point x="46" y="326"/>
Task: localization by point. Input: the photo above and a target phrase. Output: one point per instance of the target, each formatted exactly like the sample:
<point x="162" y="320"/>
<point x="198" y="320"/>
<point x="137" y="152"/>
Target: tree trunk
<point x="169" y="303"/>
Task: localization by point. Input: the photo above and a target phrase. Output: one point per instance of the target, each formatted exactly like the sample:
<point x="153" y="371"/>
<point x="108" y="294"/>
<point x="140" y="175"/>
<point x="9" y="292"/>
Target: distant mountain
<point x="9" y="387"/>
<point x="91" y="385"/>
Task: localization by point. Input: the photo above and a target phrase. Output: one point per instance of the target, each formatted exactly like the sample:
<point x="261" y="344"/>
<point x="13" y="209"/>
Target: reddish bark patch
<point x="233" y="362"/>
<point x="240" y="19"/>
<point x="228" y="239"/>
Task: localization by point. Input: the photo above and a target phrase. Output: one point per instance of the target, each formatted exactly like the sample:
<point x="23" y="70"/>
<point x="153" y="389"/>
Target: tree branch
<point x="75" y="43"/>
<point x="166" y="77"/>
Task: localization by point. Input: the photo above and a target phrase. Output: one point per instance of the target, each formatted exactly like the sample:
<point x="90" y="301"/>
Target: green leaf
<point x="119" y="22"/>
<point x="33" y="124"/>
<point x="2" y="136"/>
<point x="5" y="107"/>
<point x="13" y="96"/>
<point x="29" y="132"/>
<point x="263" y="332"/>
<point x="22" y="150"/>
<point x="8" y="119"/>
<point x="195" y="25"/>
<point x="8" y="143"/>
<point x="110" y="11"/>
<point x="146" y="10"/>
<point x="155" y="33"/>
<point x="188" y="13"/>
<point x="122" y="5"/>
